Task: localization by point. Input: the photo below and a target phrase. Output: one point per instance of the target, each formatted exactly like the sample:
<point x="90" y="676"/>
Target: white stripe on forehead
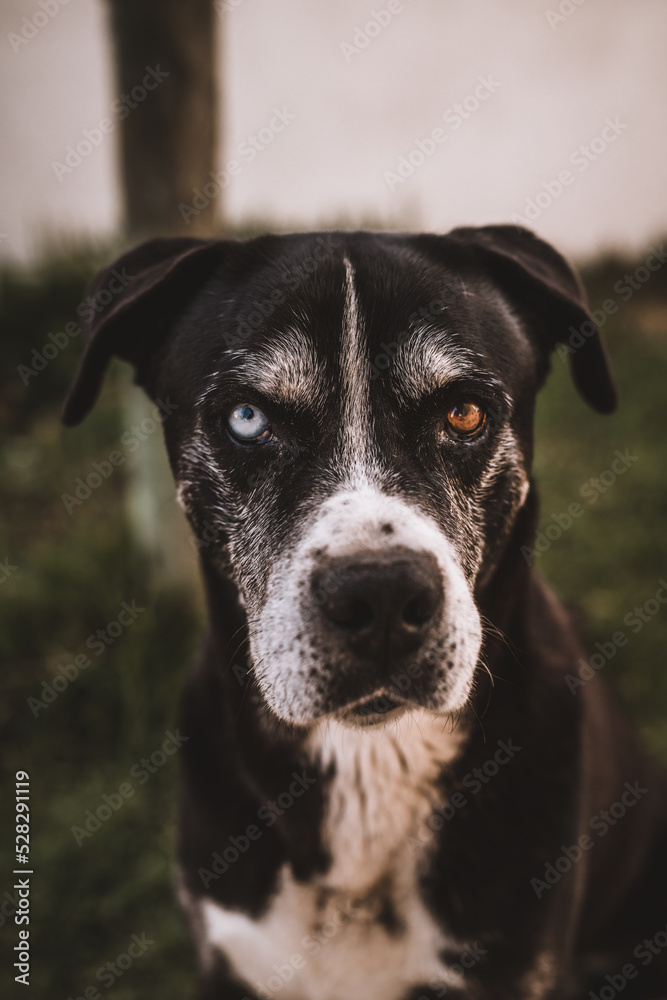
<point x="357" y="460"/>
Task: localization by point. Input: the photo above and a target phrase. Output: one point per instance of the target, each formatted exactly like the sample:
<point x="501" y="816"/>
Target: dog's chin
<point x="377" y="710"/>
<point x="384" y="705"/>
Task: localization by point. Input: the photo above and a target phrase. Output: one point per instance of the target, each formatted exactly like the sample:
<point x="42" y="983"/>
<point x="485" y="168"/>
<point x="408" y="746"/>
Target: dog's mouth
<point x="379" y="708"/>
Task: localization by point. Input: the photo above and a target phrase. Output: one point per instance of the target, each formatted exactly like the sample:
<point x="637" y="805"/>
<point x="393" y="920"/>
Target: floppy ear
<point x="130" y="306"/>
<point x="543" y="287"/>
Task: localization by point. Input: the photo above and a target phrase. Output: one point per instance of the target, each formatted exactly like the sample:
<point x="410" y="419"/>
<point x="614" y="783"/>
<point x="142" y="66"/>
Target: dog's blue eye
<point x="247" y="423"/>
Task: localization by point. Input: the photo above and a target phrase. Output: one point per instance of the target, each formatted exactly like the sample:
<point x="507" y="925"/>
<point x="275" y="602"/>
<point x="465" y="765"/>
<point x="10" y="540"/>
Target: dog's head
<point x="352" y="435"/>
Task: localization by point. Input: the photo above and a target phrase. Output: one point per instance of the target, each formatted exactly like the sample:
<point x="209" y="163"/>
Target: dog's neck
<point x="385" y="784"/>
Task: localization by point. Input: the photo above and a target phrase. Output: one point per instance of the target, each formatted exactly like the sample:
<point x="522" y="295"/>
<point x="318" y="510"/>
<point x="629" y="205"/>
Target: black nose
<point x="382" y="604"/>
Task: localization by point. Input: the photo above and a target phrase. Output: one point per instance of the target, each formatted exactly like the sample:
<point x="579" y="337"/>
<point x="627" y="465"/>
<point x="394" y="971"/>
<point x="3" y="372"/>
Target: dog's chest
<point x="384" y="789"/>
<point x="361" y="929"/>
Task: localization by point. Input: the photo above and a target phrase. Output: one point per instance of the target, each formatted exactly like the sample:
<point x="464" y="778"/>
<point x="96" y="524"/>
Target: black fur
<point x="187" y="317"/>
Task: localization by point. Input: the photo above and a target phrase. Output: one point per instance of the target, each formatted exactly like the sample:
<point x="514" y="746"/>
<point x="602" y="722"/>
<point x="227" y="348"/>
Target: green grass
<point x="611" y="559"/>
<point x="74" y="571"/>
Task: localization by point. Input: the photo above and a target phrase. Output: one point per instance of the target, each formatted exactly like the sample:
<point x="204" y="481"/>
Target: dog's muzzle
<point x="370" y="612"/>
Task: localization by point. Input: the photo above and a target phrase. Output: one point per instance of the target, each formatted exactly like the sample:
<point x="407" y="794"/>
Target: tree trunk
<point x="169" y="122"/>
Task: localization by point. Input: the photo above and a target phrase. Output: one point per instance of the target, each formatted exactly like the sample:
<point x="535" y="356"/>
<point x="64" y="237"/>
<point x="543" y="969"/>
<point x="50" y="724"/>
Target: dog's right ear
<point x="130" y="307"/>
<point x="543" y="286"/>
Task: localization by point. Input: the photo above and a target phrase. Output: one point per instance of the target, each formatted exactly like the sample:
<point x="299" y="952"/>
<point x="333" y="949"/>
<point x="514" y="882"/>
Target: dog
<point x="390" y="790"/>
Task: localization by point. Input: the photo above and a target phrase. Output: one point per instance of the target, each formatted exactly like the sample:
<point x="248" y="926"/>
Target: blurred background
<point x="127" y="119"/>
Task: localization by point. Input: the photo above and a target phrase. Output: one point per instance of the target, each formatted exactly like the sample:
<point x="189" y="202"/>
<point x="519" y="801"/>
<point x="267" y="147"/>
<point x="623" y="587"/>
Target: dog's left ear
<point x="130" y="308"/>
<point x="542" y="285"/>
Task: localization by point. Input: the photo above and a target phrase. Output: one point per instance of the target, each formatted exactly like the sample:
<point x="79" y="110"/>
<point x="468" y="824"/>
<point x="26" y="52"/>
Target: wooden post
<point x="169" y="138"/>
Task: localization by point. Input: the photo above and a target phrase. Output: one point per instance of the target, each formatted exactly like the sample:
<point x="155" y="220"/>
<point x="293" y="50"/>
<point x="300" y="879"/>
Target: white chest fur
<point x="326" y="940"/>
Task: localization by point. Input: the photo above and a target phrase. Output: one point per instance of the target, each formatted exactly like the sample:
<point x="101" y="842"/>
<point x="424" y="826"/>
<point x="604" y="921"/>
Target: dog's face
<point x="352" y="440"/>
<point x="362" y="455"/>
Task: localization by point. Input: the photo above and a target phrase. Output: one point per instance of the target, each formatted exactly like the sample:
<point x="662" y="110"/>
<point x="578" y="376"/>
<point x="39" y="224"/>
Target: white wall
<point x="356" y="115"/>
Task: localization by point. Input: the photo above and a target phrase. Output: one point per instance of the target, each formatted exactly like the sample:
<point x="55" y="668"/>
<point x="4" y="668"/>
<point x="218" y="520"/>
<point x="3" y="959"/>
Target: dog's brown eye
<point x="465" y="419"/>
